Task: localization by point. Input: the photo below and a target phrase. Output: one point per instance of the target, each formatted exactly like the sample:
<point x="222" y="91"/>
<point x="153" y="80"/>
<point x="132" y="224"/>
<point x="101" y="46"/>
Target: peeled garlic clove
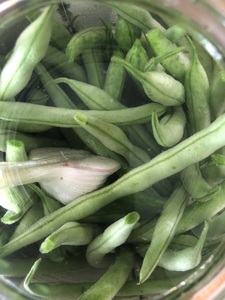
<point x="76" y="178"/>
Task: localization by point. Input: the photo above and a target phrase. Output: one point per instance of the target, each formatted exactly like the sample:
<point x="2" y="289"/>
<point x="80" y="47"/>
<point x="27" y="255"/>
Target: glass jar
<point x="34" y="124"/>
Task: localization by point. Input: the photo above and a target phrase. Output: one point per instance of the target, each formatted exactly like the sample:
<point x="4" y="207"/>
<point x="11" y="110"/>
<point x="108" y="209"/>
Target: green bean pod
<point x="137" y="56"/>
<point x="197" y="94"/>
<point x="175" y="33"/>
<point x="114" y="235"/>
<point x="158" y="86"/>
<point x="217" y="92"/>
<point x="94" y="65"/>
<point x="113" y="138"/>
<point x="136" y="15"/>
<point x="177" y="65"/>
<point x="170" y="129"/>
<point x="18" y="69"/>
<point x="92" y="96"/>
<point x="59" y="64"/>
<point x="64" y="117"/>
<point x="115" y="77"/>
<point x="185" y="259"/>
<point x="85" y="39"/>
<point x="72" y="233"/>
<point x="196" y="185"/>
<point x="126" y="33"/>
<point x="164" y="231"/>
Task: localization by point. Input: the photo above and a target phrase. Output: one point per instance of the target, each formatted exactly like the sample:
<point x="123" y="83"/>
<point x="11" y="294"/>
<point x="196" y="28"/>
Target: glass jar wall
<point x="112" y="149"/>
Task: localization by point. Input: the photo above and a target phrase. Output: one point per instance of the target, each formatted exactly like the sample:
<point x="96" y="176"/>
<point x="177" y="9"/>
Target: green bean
<point x="197" y="94"/>
<point x="164" y="231"/>
<point x="85" y="39"/>
<point x="175" y="33"/>
<point x="11" y="291"/>
<point x="60" y="36"/>
<point x="30" y="142"/>
<point x="177" y="65"/>
<point x="19" y="267"/>
<point x="113" y="138"/>
<point x="216" y="226"/>
<point x="136" y="15"/>
<point x="198" y="212"/>
<point x="170" y="129"/>
<point x="37" y="96"/>
<point x="92" y="96"/>
<point x="62" y="117"/>
<point x="217" y="91"/>
<point x="59" y="63"/>
<point x="137" y="56"/>
<point x="18" y="69"/>
<point x="16" y="199"/>
<point x="49" y="204"/>
<point x="94" y="65"/>
<point x="153" y="83"/>
<point x="154" y="63"/>
<point x="196" y="185"/>
<point x="114" y="235"/>
<point x="126" y="33"/>
<point x="187" y="258"/>
<point x="193" y="149"/>
<point x="4" y="235"/>
<point x="34" y="214"/>
<point x="115" y="77"/>
<point x="50" y="290"/>
<point x="113" y="279"/>
<point x="72" y="233"/>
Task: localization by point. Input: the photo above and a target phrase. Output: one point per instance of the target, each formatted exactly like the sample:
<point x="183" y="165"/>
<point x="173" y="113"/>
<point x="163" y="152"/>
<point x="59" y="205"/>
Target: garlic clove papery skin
<point x="76" y="178"/>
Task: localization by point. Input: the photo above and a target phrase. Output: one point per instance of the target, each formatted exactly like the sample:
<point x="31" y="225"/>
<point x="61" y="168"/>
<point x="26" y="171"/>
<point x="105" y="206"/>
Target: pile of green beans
<point x="142" y="93"/>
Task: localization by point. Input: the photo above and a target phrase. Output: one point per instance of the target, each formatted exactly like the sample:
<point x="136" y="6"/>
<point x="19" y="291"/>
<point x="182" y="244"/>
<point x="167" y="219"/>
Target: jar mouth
<point x="112" y="125"/>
